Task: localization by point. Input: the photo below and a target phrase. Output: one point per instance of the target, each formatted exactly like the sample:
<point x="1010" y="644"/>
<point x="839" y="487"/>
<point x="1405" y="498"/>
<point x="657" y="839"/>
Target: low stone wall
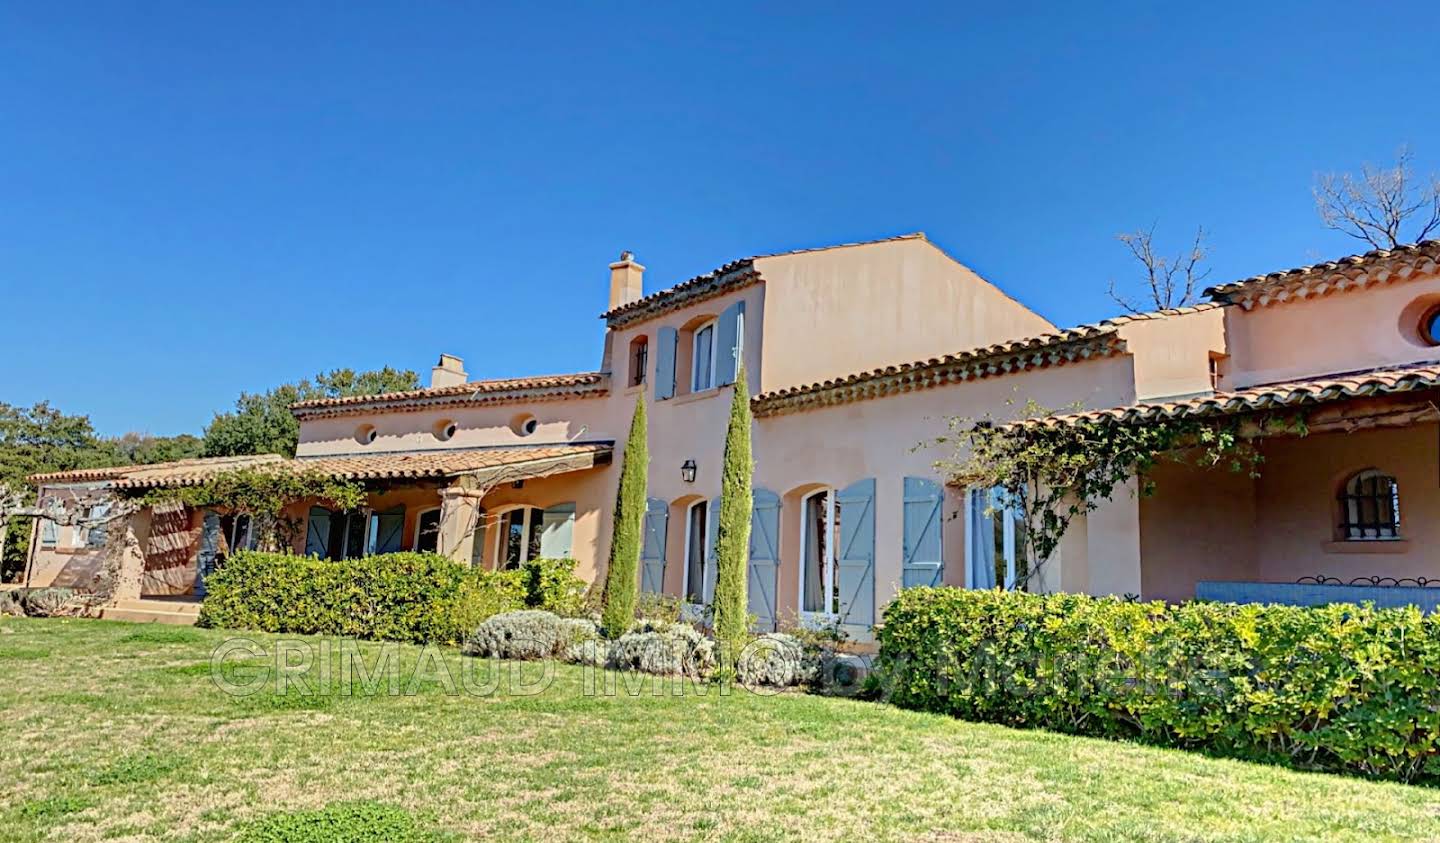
<point x="1314" y="594"/>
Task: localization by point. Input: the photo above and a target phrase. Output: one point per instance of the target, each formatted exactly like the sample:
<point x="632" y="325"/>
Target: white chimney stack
<point x="625" y="280"/>
<point x="450" y="371"/>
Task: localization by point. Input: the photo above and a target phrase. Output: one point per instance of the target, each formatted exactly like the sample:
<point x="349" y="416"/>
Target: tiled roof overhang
<point x="515" y="463"/>
<point x="732" y="276"/>
<point x="1280" y="396"/>
<point x="1357" y="272"/>
<point x="473" y="394"/>
<point x="1056" y="349"/>
<point x="200" y="468"/>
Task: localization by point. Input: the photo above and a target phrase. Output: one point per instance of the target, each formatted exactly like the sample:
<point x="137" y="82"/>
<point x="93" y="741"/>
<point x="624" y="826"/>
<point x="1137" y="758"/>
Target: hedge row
<point x="416" y="597"/>
<point x="1341" y="687"/>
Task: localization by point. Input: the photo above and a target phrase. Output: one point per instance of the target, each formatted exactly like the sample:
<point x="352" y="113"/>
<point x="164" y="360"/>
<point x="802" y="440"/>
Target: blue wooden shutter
<point x="764" y="568"/>
<point x="49" y="533"/>
<point x="652" y="546"/>
<point x="665" y="342"/>
<point x="712" y="529"/>
<point x="729" y="343"/>
<point x="390" y="530"/>
<point x="317" y="533"/>
<point x="209" y="550"/>
<point x="557" y="531"/>
<point x="923" y="554"/>
<point x="855" y="567"/>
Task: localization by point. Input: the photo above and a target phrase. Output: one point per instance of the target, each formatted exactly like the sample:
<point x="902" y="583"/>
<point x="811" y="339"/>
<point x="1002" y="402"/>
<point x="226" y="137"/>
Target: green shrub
<point x="529" y="634"/>
<point x="551" y="585"/>
<point x="416" y="597"/>
<point x="1339" y="687"/>
<point x="777" y="659"/>
<point x="663" y="649"/>
<point x="665" y="608"/>
<point x="12" y="602"/>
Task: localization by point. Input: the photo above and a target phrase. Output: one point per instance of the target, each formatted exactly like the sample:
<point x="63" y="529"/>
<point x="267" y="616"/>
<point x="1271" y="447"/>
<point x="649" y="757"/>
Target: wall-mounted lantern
<point x="687" y="471"/>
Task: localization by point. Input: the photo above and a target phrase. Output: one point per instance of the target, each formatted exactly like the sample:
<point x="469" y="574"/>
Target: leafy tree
<point x="261" y="423"/>
<point x="732" y="539"/>
<point x="622" y="575"/>
<point x="144" y="449"/>
<point x="36" y="440"/>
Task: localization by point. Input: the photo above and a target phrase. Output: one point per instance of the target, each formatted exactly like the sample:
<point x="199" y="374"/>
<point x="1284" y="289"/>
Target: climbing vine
<point x="264" y="495"/>
<point x="1051" y="473"/>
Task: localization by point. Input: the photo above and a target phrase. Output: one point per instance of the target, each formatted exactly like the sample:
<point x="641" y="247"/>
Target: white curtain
<point x="980" y="536"/>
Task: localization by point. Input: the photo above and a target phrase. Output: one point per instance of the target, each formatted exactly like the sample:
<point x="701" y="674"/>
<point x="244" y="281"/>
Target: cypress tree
<point x="622" y="576"/>
<point x="732" y="538"/>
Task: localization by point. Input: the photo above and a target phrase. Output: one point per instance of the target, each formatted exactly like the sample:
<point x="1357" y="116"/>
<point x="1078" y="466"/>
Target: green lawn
<point x="117" y="732"/>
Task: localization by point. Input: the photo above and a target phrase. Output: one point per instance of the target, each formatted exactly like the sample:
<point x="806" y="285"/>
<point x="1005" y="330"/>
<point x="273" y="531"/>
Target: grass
<point x="119" y="733"/>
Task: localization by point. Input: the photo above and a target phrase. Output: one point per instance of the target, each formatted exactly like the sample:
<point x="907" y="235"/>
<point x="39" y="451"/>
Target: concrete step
<point x="191" y="607"/>
<point x="147" y="617"/>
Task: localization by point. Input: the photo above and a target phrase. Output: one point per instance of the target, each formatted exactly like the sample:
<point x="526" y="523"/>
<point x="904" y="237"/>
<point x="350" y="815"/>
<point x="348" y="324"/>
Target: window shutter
<point x="652" y="546"/>
<point x="477" y="551"/>
<point x="924" y="563"/>
<point x="390" y="530"/>
<point x="209" y="550"/>
<point x="557" y="531"/>
<point x="49" y="533"/>
<point x="665" y="342"/>
<point x="855" y="567"/>
<point x="729" y="343"/>
<point x="317" y="533"/>
<point x="764" y="567"/>
<point x="712" y="529"/>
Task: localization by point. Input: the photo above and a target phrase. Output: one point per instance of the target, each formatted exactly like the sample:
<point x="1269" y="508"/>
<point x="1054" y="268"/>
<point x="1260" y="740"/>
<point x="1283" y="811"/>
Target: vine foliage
<point x="264" y="495"/>
<point x="1052" y="473"/>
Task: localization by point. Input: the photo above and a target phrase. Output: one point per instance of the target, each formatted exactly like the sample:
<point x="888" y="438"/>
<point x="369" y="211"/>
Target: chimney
<point x="625" y="280"/>
<point x="450" y="371"/>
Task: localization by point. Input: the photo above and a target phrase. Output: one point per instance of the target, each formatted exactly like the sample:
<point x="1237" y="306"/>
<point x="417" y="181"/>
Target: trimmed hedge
<point x="416" y="597"/>
<point x="1342" y="688"/>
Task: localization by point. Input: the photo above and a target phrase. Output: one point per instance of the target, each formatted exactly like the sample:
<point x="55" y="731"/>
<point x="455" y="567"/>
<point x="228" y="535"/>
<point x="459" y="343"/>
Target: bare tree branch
<point x="1379" y="204"/>
<point x="1170" y="282"/>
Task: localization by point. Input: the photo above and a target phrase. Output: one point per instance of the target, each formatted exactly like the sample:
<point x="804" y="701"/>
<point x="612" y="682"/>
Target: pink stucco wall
<point x="834" y="312"/>
<point x="1341" y="332"/>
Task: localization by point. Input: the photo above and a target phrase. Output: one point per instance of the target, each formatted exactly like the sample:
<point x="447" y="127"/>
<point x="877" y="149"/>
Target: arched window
<point x="1370" y="507"/>
<point x="702" y="358"/>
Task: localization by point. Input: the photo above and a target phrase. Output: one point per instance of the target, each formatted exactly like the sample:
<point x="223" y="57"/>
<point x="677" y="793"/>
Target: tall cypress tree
<point x="732" y="539"/>
<point x="622" y="576"/>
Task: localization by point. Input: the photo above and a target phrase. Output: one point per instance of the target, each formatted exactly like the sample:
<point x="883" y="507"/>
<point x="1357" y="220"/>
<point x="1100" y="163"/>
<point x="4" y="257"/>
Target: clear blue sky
<point x="200" y="197"/>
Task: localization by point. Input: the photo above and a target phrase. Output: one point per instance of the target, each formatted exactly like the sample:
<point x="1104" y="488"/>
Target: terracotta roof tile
<point x="1296" y="393"/>
<point x="201" y="467"/>
<point x="1355" y="272"/>
<point x="474" y="393"/>
<point x="434" y="464"/>
<point x="526" y="461"/>
<point x="1052" y="349"/>
<point x="732" y="276"/>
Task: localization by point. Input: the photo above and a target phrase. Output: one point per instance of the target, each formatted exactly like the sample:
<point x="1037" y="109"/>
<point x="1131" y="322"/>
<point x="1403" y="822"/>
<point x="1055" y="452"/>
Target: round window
<point x="524" y="424"/>
<point x="1430" y="326"/>
<point x="445" y="429"/>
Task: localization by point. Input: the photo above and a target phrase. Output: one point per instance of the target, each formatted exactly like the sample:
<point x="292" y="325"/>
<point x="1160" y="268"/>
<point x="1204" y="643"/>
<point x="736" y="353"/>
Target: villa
<point x="856" y="356"/>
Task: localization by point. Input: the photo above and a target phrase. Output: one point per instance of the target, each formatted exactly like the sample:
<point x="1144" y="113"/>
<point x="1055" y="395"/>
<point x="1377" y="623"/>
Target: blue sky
<point x="199" y="198"/>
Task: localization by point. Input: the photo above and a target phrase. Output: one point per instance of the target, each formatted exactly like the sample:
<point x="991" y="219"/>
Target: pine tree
<point x="732" y="539"/>
<point x="622" y="576"/>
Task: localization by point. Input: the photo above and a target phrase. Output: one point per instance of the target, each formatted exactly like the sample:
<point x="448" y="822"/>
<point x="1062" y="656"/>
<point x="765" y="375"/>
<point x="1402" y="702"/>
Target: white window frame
<point x="1008" y="541"/>
<point x="705" y="551"/>
<point x="501" y="535"/>
<point x="714" y="326"/>
<point x="831" y="566"/>
<point x="415" y="543"/>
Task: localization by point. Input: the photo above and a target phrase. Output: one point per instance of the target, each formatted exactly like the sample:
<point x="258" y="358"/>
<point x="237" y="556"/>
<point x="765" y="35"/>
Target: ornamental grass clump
<point x="779" y="660"/>
<point x="664" y="649"/>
